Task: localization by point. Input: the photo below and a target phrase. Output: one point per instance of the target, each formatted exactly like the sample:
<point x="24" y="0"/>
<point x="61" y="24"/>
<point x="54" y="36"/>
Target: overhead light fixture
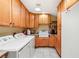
<point x="37" y="9"/>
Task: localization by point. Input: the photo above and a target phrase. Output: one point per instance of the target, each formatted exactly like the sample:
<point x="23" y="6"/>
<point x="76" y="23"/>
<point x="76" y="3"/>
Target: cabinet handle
<point x="10" y="23"/>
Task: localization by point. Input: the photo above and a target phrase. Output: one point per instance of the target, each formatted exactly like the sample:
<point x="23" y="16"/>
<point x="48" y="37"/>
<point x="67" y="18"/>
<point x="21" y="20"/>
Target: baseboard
<point x="45" y="46"/>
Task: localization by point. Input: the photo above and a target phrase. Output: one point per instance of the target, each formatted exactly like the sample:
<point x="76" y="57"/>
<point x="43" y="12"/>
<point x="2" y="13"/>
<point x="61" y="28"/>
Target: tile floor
<point x="45" y="53"/>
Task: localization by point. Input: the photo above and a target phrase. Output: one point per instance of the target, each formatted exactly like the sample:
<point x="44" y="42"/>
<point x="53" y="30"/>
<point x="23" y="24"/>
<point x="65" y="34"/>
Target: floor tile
<point x="45" y="53"/>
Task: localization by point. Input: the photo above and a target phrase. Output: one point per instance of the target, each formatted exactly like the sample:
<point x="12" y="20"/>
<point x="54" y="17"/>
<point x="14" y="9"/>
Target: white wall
<point x="70" y="32"/>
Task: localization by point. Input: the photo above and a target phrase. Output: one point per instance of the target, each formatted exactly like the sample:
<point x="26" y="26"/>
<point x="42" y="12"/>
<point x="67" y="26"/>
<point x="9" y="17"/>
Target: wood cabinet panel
<point x="36" y="25"/>
<point x="16" y="8"/>
<point x="58" y="40"/>
<point x="12" y="12"/>
<point x="32" y="20"/>
<point x="62" y="6"/>
<point x="58" y="45"/>
<point x="45" y="42"/>
<point x="27" y="21"/>
<point x="5" y="10"/>
<point x="52" y="41"/>
<point x="50" y="18"/>
<point x="59" y="17"/>
<point x="41" y="42"/>
<point x="69" y="3"/>
<point x="22" y="20"/>
<point x="43" y="19"/>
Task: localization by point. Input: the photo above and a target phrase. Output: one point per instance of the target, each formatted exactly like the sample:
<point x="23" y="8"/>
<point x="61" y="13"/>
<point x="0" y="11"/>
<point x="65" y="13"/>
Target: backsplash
<point x="9" y="30"/>
<point x="43" y="27"/>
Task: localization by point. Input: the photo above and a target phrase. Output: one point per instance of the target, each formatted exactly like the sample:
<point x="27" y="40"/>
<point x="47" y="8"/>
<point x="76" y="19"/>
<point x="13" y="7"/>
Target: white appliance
<point x="43" y="33"/>
<point x="20" y="48"/>
<point x="5" y="39"/>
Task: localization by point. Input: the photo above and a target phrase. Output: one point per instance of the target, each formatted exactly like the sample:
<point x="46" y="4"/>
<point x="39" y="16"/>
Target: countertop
<point x="37" y="35"/>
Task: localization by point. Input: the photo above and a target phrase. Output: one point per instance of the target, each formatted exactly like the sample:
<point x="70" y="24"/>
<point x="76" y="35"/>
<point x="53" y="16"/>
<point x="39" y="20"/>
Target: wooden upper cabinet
<point x="43" y="19"/>
<point x="50" y="19"/>
<point x="32" y="18"/>
<point x="27" y="21"/>
<point x="69" y="3"/>
<point x="5" y="9"/>
<point x="13" y="12"/>
<point x="16" y="8"/>
<point x="36" y="21"/>
<point x="66" y="4"/>
<point x="22" y="20"/>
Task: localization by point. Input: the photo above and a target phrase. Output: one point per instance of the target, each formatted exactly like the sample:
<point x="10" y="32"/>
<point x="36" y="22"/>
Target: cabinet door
<point x="31" y="20"/>
<point x="36" y="21"/>
<point x="22" y="20"/>
<point x="52" y="41"/>
<point x="16" y="13"/>
<point x="5" y="9"/>
<point x="43" y="19"/>
<point x="69" y="3"/>
<point x="41" y="42"/>
<point x="27" y="21"/>
<point x="58" y="45"/>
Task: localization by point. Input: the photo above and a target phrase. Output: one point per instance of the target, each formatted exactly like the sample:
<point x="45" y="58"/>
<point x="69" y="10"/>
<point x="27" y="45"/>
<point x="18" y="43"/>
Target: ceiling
<point x="46" y="6"/>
